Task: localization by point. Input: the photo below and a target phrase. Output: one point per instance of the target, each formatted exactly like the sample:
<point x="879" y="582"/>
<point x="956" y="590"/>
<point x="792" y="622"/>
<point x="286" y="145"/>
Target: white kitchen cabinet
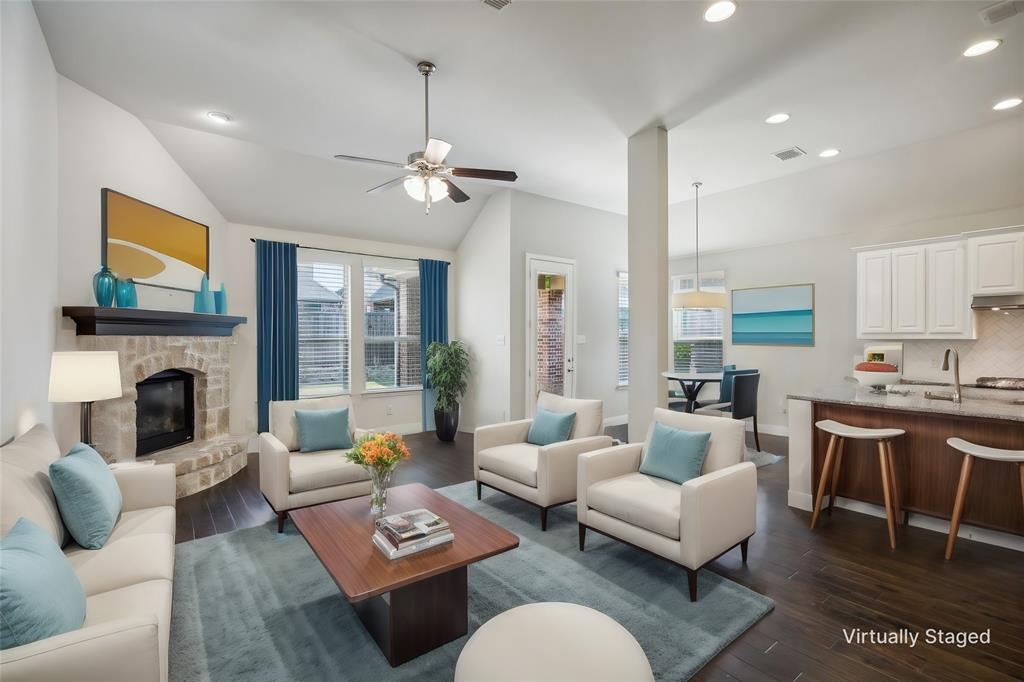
<point x="948" y="307"/>
<point x="874" y="292"/>
<point x="996" y="264"/>
<point x="909" y="315"/>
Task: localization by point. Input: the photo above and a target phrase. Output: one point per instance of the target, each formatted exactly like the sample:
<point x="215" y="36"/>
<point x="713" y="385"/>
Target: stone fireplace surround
<point x="214" y="455"/>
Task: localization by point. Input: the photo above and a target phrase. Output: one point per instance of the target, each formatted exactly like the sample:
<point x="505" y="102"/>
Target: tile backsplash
<point x="998" y="351"/>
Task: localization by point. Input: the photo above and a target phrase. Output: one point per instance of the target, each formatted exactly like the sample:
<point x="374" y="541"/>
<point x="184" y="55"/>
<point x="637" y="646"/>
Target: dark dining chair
<point x="743" y="404"/>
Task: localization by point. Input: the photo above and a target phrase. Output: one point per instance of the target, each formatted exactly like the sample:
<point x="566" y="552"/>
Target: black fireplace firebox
<point x="164" y="411"/>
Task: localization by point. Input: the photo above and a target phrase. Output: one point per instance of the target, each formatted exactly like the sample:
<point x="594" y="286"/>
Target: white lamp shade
<point x="698" y="299"/>
<point x="84" y="376"/>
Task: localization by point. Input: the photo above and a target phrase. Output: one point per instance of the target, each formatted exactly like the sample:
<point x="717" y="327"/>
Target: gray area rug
<point x="255" y="605"/>
<point x="761" y="458"/>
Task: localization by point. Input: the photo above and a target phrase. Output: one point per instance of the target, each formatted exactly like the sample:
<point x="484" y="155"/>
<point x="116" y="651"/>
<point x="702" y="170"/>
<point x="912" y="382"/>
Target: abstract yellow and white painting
<point x="151" y="245"/>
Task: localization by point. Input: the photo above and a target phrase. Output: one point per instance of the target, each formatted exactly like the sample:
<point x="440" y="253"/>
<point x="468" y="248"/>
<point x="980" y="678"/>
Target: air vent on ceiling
<point x="497" y="4"/>
<point x="1000" y="11"/>
<point x="791" y="153"/>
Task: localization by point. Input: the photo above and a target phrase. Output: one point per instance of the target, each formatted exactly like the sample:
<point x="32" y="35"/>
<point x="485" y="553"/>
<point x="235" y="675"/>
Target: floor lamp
<point x="84" y="377"/>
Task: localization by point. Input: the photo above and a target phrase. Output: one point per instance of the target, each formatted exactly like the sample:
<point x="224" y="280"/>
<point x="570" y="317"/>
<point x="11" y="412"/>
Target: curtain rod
<point x="354" y="253"/>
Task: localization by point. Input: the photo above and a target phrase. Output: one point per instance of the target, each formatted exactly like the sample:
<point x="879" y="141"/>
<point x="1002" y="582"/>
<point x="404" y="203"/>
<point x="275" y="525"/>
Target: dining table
<point x="691" y="382"/>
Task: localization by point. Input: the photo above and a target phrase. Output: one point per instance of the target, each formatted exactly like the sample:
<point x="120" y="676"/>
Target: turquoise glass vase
<point x="220" y="300"/>
<point x="124" y="294"/>
<point x="204" y="302"/>
<point x="103" y="284"/>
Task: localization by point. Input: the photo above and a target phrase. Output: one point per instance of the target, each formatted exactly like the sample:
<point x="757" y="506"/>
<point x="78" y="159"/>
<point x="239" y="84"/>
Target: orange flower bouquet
<point x="379" y="454"/>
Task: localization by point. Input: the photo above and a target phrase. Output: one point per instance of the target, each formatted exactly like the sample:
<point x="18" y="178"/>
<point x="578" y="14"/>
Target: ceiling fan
<point x="427" y="179"/>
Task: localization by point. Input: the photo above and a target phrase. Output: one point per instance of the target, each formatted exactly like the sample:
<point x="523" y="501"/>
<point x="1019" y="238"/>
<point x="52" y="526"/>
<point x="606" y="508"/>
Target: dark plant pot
<point x="446" y="423"/>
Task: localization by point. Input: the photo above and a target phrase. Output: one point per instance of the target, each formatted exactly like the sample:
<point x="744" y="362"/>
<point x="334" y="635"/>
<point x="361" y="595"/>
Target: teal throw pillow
<point x="87" y="494"/>
<point x="674" y="454"/>
<point x="40" y="595"/>
<point x="550" y="427"/>
<point x="323" y="430"/>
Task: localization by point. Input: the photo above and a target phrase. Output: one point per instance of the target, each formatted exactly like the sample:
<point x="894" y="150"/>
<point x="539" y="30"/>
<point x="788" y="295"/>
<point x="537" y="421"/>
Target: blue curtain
<point x="277" y="326"/>
<point x="433" y="323"/>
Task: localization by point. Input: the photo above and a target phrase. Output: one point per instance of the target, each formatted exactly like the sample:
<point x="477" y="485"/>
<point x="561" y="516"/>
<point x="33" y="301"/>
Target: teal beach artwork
<point x="773" y="316"/>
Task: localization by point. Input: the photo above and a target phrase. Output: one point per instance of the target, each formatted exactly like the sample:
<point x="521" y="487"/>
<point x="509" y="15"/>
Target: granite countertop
<point x="986" y="404"/>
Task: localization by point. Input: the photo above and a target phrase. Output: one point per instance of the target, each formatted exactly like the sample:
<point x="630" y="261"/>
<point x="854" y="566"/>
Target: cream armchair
<point x="544" y="476"/>
<point x="290" y="479"/>
<point x="690" y="524"/>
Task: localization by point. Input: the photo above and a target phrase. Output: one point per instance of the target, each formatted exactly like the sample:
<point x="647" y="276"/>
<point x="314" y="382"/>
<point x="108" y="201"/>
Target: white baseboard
<point x="805" y="501"/>
<point x="616" y="420"/>
<point x="400" y="429"/>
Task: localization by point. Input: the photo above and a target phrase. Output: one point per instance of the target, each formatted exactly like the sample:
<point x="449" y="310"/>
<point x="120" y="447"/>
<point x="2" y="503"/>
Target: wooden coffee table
<point x="409" y="605"/>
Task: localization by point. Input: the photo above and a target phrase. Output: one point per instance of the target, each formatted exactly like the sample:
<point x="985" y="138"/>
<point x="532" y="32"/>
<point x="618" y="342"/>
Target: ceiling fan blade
<point x="484" y="174"/>
<point x="454" y="193"/>
<point x="436" y="151"/>
<point x="363" y="159"/>
<point x="387" y="185"/>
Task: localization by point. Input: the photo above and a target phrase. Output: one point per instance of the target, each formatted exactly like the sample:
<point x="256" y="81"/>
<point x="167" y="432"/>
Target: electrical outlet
<point x="388" y="410"/>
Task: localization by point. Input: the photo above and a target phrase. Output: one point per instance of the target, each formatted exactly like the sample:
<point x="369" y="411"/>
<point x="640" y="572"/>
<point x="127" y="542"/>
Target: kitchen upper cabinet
<point x="916" y="291"/>
<point x="948" y="311"/>
<point x="909" y="314"/>
<point x="996" y="264"/>
<point x="874" y="292"/>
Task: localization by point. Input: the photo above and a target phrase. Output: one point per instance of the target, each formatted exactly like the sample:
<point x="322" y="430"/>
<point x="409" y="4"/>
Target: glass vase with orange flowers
<point x="379" y="454"/>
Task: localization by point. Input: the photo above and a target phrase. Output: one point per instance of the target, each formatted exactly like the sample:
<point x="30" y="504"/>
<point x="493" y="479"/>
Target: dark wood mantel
<point x="93" y="321"/>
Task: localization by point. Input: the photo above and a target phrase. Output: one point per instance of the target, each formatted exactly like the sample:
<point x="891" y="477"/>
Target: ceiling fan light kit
<point x="428" y="179"/>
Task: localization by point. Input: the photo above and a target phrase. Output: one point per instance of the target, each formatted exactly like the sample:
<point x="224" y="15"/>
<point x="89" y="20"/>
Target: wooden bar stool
<point x="971" y="451"/>
<point x="834" y="458"/>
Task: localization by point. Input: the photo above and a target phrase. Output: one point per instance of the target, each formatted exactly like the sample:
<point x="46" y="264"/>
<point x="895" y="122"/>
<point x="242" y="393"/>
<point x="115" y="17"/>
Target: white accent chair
<point x="290" y="479"/>
<point x="690" y="524"/>
<point x="544" y="476"/>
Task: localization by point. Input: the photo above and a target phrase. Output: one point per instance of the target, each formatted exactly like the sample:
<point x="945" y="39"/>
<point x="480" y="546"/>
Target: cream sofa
<point x="127" y="583"/>
<point x="290" y="479"/>
<point x="689" y="524"/>
<point x="544" y="476"/>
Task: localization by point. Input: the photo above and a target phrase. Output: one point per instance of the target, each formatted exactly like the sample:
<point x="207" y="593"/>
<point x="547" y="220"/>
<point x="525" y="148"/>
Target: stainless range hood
<point x="1015" y="302"/>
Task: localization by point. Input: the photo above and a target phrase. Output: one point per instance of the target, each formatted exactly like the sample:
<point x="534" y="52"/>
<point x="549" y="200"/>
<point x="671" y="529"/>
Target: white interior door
<point x="550" y="328"/>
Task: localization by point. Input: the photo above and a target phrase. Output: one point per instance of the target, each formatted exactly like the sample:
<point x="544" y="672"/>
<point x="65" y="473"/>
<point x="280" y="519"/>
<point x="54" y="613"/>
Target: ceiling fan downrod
<point x="426" y="68"/>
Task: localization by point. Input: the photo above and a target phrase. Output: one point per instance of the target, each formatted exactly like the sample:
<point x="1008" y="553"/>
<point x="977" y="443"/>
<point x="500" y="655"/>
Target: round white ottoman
<point x="552" y="641"/>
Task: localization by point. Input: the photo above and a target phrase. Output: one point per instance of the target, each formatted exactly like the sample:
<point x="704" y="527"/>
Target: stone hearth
<point x="213" y="455"/>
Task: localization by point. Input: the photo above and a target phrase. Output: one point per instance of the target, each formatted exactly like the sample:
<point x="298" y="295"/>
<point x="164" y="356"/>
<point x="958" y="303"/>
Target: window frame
<point x="314" y="256"/>
<point x="621" y="279"/>
<point x="674" y="287"/>
<point x="396" y="340"/>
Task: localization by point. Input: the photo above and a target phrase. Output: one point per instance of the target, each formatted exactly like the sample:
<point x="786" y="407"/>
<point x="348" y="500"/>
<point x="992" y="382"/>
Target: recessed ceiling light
<point x="1007" y="104"/>
<point x="984" y="47"/>
<point x="780" y="117"/>
<point x="218" y="116"/>
<point x="719" y="11"/>
<point x="828" y="153"/>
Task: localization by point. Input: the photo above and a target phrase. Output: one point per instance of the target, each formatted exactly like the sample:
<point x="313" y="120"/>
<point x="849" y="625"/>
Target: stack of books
<point x="411" y="532"/>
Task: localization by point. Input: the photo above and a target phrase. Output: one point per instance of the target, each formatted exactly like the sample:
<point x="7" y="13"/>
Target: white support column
<point x="647" y="168"/>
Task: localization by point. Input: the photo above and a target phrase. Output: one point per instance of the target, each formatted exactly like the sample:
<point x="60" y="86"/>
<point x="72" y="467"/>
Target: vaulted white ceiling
<point x="549" y="89"/>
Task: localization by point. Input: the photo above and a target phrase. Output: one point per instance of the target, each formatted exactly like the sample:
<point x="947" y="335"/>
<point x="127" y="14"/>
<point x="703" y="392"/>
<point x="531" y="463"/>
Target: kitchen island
<point x="927" y="469"/>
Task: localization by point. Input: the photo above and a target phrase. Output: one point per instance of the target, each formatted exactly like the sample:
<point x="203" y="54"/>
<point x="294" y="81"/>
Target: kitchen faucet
<point x="956" y="372"/>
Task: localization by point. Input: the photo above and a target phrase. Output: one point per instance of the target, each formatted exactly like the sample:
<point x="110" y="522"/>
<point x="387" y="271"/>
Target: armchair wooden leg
<point x="280" y="521"/>
<point x="691" y="578"/>
<point x="543" y="518"/>
<point x="479" y="485"/>
<point x="583" y="536"/>
<point x="743" y="549"/>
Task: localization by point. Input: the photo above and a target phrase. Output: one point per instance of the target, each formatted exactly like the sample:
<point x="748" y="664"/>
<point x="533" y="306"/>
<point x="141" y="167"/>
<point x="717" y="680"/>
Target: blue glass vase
<point x="220" y="300"/>
<point x="103" y="284"/>
<point x="204" y="298"/>
<point x="124" y="294"/>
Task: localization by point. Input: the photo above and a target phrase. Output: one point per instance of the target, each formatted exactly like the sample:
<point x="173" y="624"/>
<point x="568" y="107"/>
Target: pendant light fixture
<point x="697" y="298"/>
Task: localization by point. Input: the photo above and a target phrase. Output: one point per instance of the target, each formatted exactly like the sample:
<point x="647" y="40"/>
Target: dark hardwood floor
<point x="841" y="576"/>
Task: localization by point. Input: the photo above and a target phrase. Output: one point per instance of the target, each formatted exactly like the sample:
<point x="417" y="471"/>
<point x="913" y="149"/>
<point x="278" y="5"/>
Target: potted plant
<point x="448" y="371"/>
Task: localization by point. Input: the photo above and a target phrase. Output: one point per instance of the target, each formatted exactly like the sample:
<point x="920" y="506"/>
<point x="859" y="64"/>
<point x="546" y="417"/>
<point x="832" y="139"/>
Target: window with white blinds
<point x="697" y="332"/>
<point x="391" y="324"/>
<point x="623" y="317"/>
<point x="324" y="339"/>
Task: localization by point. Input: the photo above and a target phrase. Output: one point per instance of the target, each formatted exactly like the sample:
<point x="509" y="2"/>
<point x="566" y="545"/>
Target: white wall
<point x="596" y="240"/>
<point x="372" y="410"/>
<point x="102" y="145"/>
<point x="482" y="315"/>
<point x="28" y="231"/>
